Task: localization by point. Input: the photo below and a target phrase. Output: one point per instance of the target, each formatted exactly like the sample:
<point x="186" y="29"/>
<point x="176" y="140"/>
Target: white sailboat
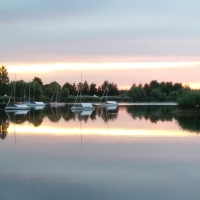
<point x="34" y="103"/>
<point x="107" y="103"/>
<point x="15" y="106"/>
<point x="81" y="106"/>
<point x="56" y="103"/>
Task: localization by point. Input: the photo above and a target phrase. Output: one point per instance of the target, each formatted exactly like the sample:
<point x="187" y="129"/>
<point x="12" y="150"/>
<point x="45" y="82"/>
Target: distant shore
<point x="140" y="104"/>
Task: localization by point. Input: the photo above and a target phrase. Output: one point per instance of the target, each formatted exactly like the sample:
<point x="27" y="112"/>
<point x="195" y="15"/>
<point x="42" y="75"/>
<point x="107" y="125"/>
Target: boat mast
<point x="81" y="87"/>
<point x="57" y="93"/>
<point x="106" y="93"/>
<point x="33" y="90"/>
<point x="14" y="88"/>
<point x="29" y="92"/>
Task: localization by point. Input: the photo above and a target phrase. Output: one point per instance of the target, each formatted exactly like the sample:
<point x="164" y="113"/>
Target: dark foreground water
<point x="133" y="152"/>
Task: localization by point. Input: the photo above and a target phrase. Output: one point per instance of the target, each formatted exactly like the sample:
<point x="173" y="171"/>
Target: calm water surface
<point x="133" y="152"/>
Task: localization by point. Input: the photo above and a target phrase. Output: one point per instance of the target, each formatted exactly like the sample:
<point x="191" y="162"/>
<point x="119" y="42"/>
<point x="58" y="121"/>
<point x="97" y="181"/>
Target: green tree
<point x="147" y="89"/>
<point x="178" y="86"/>
<point x="39" y="80"/>
<point x="86" y="88"/>
<point x="187" y="100"/>
<point x="20" y="87"/>
<point x="93" y="89"/>
<point x="65" y="93"/>
<point x="169" y="87"/>
<point x="156" y="94"/>
<point x="50" y="90"/>
<point x="154" y="84"/>
<point x="71" y="87"/>
<point x="113" y="89"/>
<point x="4" y="80"/>
<point x="173" y="96"/>
<point x="164" y="97"/>
<point x="137" y="94"/>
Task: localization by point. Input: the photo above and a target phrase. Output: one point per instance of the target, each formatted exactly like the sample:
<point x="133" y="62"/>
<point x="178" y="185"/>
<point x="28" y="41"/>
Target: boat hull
<point x="80" y="108"/>
<point x="17" y="107"/>
<point x="57" y="104"/>
<point x="108" y="104"/>
<point x="36" y="104"/>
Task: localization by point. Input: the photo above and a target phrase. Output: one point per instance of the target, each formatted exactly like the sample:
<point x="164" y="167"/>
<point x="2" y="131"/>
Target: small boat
<point x="107" y="103"/>
<point x="35" y="103"/>
<point x="15" y="106"/>
<point x="82" y="107"/>
<point x="39" y="107"/>
<point x="56" y="103"/>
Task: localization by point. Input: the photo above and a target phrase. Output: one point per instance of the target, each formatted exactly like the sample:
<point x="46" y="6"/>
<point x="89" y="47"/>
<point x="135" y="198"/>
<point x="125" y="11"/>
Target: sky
<point x="125" y="42"/>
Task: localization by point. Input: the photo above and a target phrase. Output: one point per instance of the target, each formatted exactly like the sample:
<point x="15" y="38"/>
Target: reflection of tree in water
<point x="18" y="119"/>
<point x="4" y="124"/>
<point x="54" y="114"/>
<point x="83" y="118"/>
<point x="67" y="114"/>
<point x="4" y="128"/>
<point x="108" y="115"/>
<point x="36" y="117"/>
<point x="152" y="113"/>
<point x="189" y="122"/>
<point x="93" y="115"/>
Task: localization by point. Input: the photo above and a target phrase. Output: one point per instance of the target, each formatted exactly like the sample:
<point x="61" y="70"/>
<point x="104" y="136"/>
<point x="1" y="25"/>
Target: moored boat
<point x="82" y="107"/>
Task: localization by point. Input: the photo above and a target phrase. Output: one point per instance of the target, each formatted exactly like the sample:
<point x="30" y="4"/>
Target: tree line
<point x="149" y="92"/>
<point x="37" y="90"/>
<point x="157" y="91"/>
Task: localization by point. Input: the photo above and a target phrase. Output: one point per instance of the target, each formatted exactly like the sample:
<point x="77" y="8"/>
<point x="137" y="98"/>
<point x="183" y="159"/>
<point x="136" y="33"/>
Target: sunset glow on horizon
<point x="122" y="42"/>
<point x="49" y="67"/>
<point x="104" y="132"/>
<point x="135" y="72"/>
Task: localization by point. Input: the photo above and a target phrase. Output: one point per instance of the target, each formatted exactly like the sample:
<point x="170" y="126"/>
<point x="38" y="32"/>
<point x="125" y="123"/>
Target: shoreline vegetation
<point x="185" y="97"/>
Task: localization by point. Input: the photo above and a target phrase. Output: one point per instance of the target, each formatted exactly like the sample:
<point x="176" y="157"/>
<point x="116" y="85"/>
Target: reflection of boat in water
<point x="83" y="113"/>
<point x="111" y="108"/>
<point x="2" y="105"/>
<point x="39" y="107"/>
<point x="21" y="112"/>
<point x="82" y="107"/>
<point x="16" y="107"/>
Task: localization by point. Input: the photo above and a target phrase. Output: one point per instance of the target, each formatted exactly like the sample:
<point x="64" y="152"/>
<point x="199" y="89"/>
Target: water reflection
<point x="4" y="124"/>
<point x="153" y="114"/>
<point x="57" y="155"/>
<point x="189" y="122"/>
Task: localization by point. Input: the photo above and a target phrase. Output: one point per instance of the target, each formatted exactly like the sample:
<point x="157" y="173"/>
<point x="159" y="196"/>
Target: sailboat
<point x="81" y="106"/>
<point x="107" y="103"/>
<point x="15" y="106"/>
<point x="34" y="103"/>
<point x="56" y="103"/>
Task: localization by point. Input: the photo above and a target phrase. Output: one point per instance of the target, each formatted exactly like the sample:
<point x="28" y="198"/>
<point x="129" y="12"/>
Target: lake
<point x="131" y="152"/>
